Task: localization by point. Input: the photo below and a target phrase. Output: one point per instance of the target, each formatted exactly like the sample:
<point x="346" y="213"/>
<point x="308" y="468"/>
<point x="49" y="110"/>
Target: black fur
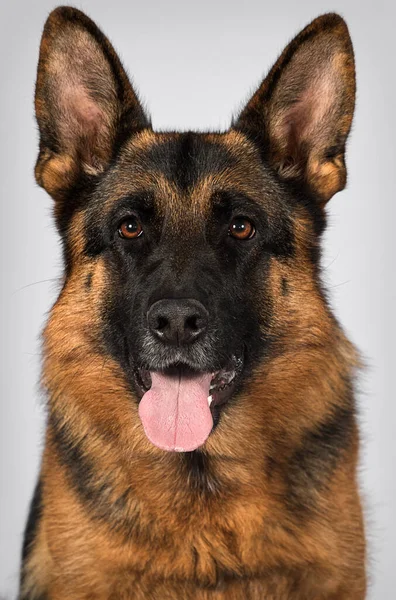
<point x="311" y="466"/>
<point x="96" y="489"/>
<point x="188" y="158"/>
<point x="31" y="528"/>
<point x="199" y="473"/>
<point x="285" y="287"/>
<point x="33" y="520"/>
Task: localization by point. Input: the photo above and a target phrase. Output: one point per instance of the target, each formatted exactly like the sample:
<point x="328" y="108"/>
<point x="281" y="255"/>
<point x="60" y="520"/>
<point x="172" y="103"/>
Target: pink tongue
<point x="175" y="412"/>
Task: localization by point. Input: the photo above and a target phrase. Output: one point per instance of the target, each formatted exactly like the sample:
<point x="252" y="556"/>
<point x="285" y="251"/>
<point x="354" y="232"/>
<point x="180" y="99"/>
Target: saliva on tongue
<point x="175" y="411"/>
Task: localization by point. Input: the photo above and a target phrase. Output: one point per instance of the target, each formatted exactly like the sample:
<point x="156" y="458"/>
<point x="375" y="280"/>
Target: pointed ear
<point x="302" y="112"/>
<point x="85" y="105"/>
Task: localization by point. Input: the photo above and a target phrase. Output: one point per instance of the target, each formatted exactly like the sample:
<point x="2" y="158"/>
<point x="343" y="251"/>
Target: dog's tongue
<point x="175" y="411"/>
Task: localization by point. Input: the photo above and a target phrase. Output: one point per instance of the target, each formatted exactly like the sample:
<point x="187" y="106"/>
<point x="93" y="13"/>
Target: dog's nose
<point x="179" y="321"/>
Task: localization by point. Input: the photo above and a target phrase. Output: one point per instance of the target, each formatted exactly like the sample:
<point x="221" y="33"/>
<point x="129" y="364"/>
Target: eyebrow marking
<point x="143" y="200"/>
<point x="227" y="201"/>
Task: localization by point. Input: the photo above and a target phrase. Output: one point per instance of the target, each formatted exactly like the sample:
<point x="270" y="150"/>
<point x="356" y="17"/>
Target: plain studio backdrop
<point x="194" y="63"/>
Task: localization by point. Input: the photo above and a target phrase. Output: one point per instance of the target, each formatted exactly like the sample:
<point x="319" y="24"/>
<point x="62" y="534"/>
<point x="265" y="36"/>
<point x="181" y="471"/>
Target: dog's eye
<point x="241" y="228"/>
<point x="131" y="228"/>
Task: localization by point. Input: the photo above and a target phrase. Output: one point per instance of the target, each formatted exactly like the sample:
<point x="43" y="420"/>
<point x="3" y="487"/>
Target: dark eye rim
<point x="252" y="233"/>
<point x="126" y="236"/>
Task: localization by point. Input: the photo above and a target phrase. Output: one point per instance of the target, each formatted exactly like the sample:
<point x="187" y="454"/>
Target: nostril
<point x="162" y="323"/>
<point x="192" y="323"/>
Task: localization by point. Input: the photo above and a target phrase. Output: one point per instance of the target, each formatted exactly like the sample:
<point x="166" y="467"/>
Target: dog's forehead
<point x="177" y="166"/>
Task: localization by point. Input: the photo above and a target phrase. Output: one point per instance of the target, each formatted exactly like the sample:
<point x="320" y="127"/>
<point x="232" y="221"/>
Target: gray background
<point x="195" y="63"/>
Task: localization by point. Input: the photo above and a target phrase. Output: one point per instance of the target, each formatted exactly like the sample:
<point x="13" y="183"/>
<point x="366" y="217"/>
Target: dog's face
<point x="187" y="225"/>
<point x="190" y="258"/>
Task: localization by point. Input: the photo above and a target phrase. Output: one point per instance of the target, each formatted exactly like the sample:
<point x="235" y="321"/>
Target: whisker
<point x="24" y="287"/>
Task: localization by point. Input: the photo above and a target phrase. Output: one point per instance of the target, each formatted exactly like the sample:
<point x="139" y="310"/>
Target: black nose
<point x="177" y="322"/>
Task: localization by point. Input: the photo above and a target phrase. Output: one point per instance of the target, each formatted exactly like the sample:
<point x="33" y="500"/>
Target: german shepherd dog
<point x="201" y="441"/>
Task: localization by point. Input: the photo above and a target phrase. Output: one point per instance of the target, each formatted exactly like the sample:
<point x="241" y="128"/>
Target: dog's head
<point x="191" y="258"/>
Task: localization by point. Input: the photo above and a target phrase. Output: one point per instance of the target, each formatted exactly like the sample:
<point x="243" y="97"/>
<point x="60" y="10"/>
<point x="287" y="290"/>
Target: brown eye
<point x="130" y="229"/>
<point x="241" y="228"/>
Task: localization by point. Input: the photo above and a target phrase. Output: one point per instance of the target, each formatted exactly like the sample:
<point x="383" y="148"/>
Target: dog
<point x="201" y="439"/>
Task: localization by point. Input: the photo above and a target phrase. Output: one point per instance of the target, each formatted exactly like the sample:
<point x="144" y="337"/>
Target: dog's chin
<point x="222" y="385"/>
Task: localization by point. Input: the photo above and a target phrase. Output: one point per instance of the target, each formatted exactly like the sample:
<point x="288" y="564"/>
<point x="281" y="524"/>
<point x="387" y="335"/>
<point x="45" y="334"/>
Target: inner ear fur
<point x="85" y="104"/>
<point x="301" y="114"/>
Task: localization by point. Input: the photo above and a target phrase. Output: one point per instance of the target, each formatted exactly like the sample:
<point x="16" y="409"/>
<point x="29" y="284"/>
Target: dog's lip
<point x="222" y="384"/>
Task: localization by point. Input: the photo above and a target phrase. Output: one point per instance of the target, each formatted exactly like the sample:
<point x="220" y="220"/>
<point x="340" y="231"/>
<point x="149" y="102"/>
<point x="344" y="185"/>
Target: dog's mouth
<point x="179" y="404"/>
<point x="221" y="384"/>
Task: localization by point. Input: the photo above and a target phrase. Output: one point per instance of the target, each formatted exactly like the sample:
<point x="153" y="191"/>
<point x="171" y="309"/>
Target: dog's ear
<point x="302" y="112"/>
<point x="85" y="105"/>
